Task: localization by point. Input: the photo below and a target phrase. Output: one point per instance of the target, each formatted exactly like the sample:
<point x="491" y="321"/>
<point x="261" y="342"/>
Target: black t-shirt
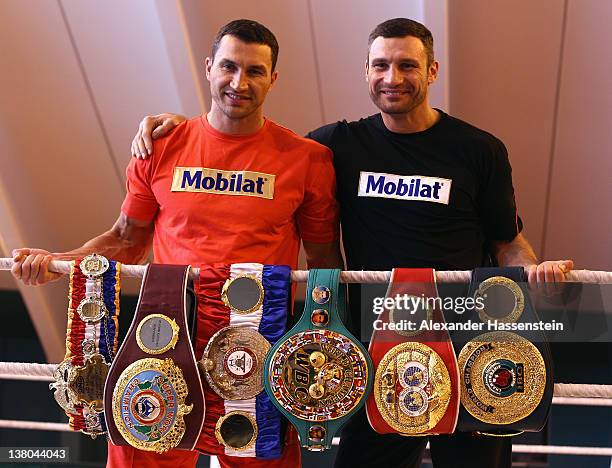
<point x="431" y="199"/>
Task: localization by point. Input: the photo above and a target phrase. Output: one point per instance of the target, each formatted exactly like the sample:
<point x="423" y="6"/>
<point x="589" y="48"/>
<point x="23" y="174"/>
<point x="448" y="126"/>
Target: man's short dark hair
<point x="402" y="27"/>
<point x="248" y="31"/>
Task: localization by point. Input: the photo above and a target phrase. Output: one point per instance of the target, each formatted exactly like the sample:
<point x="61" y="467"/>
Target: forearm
<point x="122" y="243"/>
<point x="323" y="255"/>
<point x="517" y="252"/>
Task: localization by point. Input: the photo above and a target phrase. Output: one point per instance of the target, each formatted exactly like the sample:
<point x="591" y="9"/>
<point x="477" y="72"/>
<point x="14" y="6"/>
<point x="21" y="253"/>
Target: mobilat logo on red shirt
<point x="413" y="187"/>
<point x="204" y="179"/>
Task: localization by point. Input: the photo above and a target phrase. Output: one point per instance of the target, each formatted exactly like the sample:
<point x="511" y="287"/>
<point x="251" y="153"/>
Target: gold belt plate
<point x="81" y="385"/>
<point x="233" y="362"/>
<point x="412" y="388"/>
<point x="149" y="406"/>
<point x="503" y="377"/>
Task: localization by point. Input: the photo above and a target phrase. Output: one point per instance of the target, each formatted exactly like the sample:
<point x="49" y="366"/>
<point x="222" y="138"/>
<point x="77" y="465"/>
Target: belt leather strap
<point x="153" y="395"/>
<point x="227" y="327"/>
<point x="506" y="376"/>
<point x="318" y="374"/>
<point x="416" y="384"/>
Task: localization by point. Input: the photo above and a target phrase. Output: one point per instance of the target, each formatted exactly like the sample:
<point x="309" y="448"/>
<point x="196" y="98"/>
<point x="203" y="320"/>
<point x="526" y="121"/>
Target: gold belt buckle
<point x="233" y="362"/>
<point x="148" y="404"/>
<point x="412" y="388"/>
<point x="503" y="377"/>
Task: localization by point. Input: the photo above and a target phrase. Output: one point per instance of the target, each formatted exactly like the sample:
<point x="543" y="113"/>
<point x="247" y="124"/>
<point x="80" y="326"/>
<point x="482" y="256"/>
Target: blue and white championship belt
<point x="243" y="311"/>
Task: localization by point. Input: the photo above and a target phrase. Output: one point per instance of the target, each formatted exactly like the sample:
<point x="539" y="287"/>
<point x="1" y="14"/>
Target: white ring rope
<point x="564" y="394"/>
<point x="591" y="394"/>
<point x="137" y="271"/>
<point x="516" y="448"/>
<point x="34" y="425"/>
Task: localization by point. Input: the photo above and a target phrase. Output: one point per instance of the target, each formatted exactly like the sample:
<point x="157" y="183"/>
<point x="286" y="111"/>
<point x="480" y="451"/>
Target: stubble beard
<point x="231" y="112"/>
<point x="397" y="108"/>
<point x="417" y="97"/>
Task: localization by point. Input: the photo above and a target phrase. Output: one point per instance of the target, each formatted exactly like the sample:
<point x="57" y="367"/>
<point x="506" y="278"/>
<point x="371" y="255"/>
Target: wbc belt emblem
<point x="318" y="375"/>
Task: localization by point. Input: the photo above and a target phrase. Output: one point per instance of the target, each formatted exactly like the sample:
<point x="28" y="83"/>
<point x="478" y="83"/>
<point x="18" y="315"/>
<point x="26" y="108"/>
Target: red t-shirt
<point x="227" y="198"/>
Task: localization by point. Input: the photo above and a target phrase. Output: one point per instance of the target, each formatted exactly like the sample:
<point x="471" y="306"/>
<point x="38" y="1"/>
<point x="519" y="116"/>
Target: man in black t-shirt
<point x="417" y="188"/>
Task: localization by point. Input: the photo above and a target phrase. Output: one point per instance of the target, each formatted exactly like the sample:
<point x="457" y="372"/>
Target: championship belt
<point x="242" y="312"/>
<point x="505" y="368"/>
<point x="153" y="396"/>
<point x="91" y="342"/>
<point x="318" y="374"/>
<point x="416" y="385"/>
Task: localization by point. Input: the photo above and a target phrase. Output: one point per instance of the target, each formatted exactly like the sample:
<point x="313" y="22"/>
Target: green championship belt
<point x="506" y="367"/>
<point x="318" y="374"/>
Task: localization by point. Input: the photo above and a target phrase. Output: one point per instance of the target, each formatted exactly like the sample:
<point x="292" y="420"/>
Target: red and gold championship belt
<point x="242" y="312"/>
<point x="91" y="342"/>
<point x="153" y="397"/>
<point x="416" y="385"/>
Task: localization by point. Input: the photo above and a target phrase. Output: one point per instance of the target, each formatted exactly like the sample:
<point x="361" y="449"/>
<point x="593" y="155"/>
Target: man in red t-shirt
<point x="228" y="186"/>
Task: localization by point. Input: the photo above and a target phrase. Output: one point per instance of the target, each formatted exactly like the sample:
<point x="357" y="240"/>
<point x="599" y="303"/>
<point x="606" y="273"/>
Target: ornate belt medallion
<point x="412" y="388"/>
<point x="243" y="294"/>
<point x="236" y="430"/>
<point x="503" y="377"/>
<point x="157" y="333"/>
<point x="318" y="375"/>
<point x="233" y="362"/>
<point x="149" y="404"/>
<point x="506" y="297"/>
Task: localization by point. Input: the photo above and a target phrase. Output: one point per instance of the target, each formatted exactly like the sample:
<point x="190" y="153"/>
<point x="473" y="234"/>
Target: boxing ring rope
<point x="564" y="394"/>
<point x="364" y="277"/>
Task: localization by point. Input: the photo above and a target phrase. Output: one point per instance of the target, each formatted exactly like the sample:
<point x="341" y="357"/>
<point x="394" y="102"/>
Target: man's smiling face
<point x="240" y="76"/>
<point x="398" y="74"/>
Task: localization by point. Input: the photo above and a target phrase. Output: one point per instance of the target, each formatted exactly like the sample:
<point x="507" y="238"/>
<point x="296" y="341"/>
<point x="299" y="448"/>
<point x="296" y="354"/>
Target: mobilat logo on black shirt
<point x="207" y="180"/>
<point x="413" y="187"/>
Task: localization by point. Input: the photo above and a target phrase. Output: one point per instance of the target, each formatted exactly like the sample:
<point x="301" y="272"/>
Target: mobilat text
<point x="204" y="179"/>
<point x="431" y="189"/>
<point x="412" y="304"/>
